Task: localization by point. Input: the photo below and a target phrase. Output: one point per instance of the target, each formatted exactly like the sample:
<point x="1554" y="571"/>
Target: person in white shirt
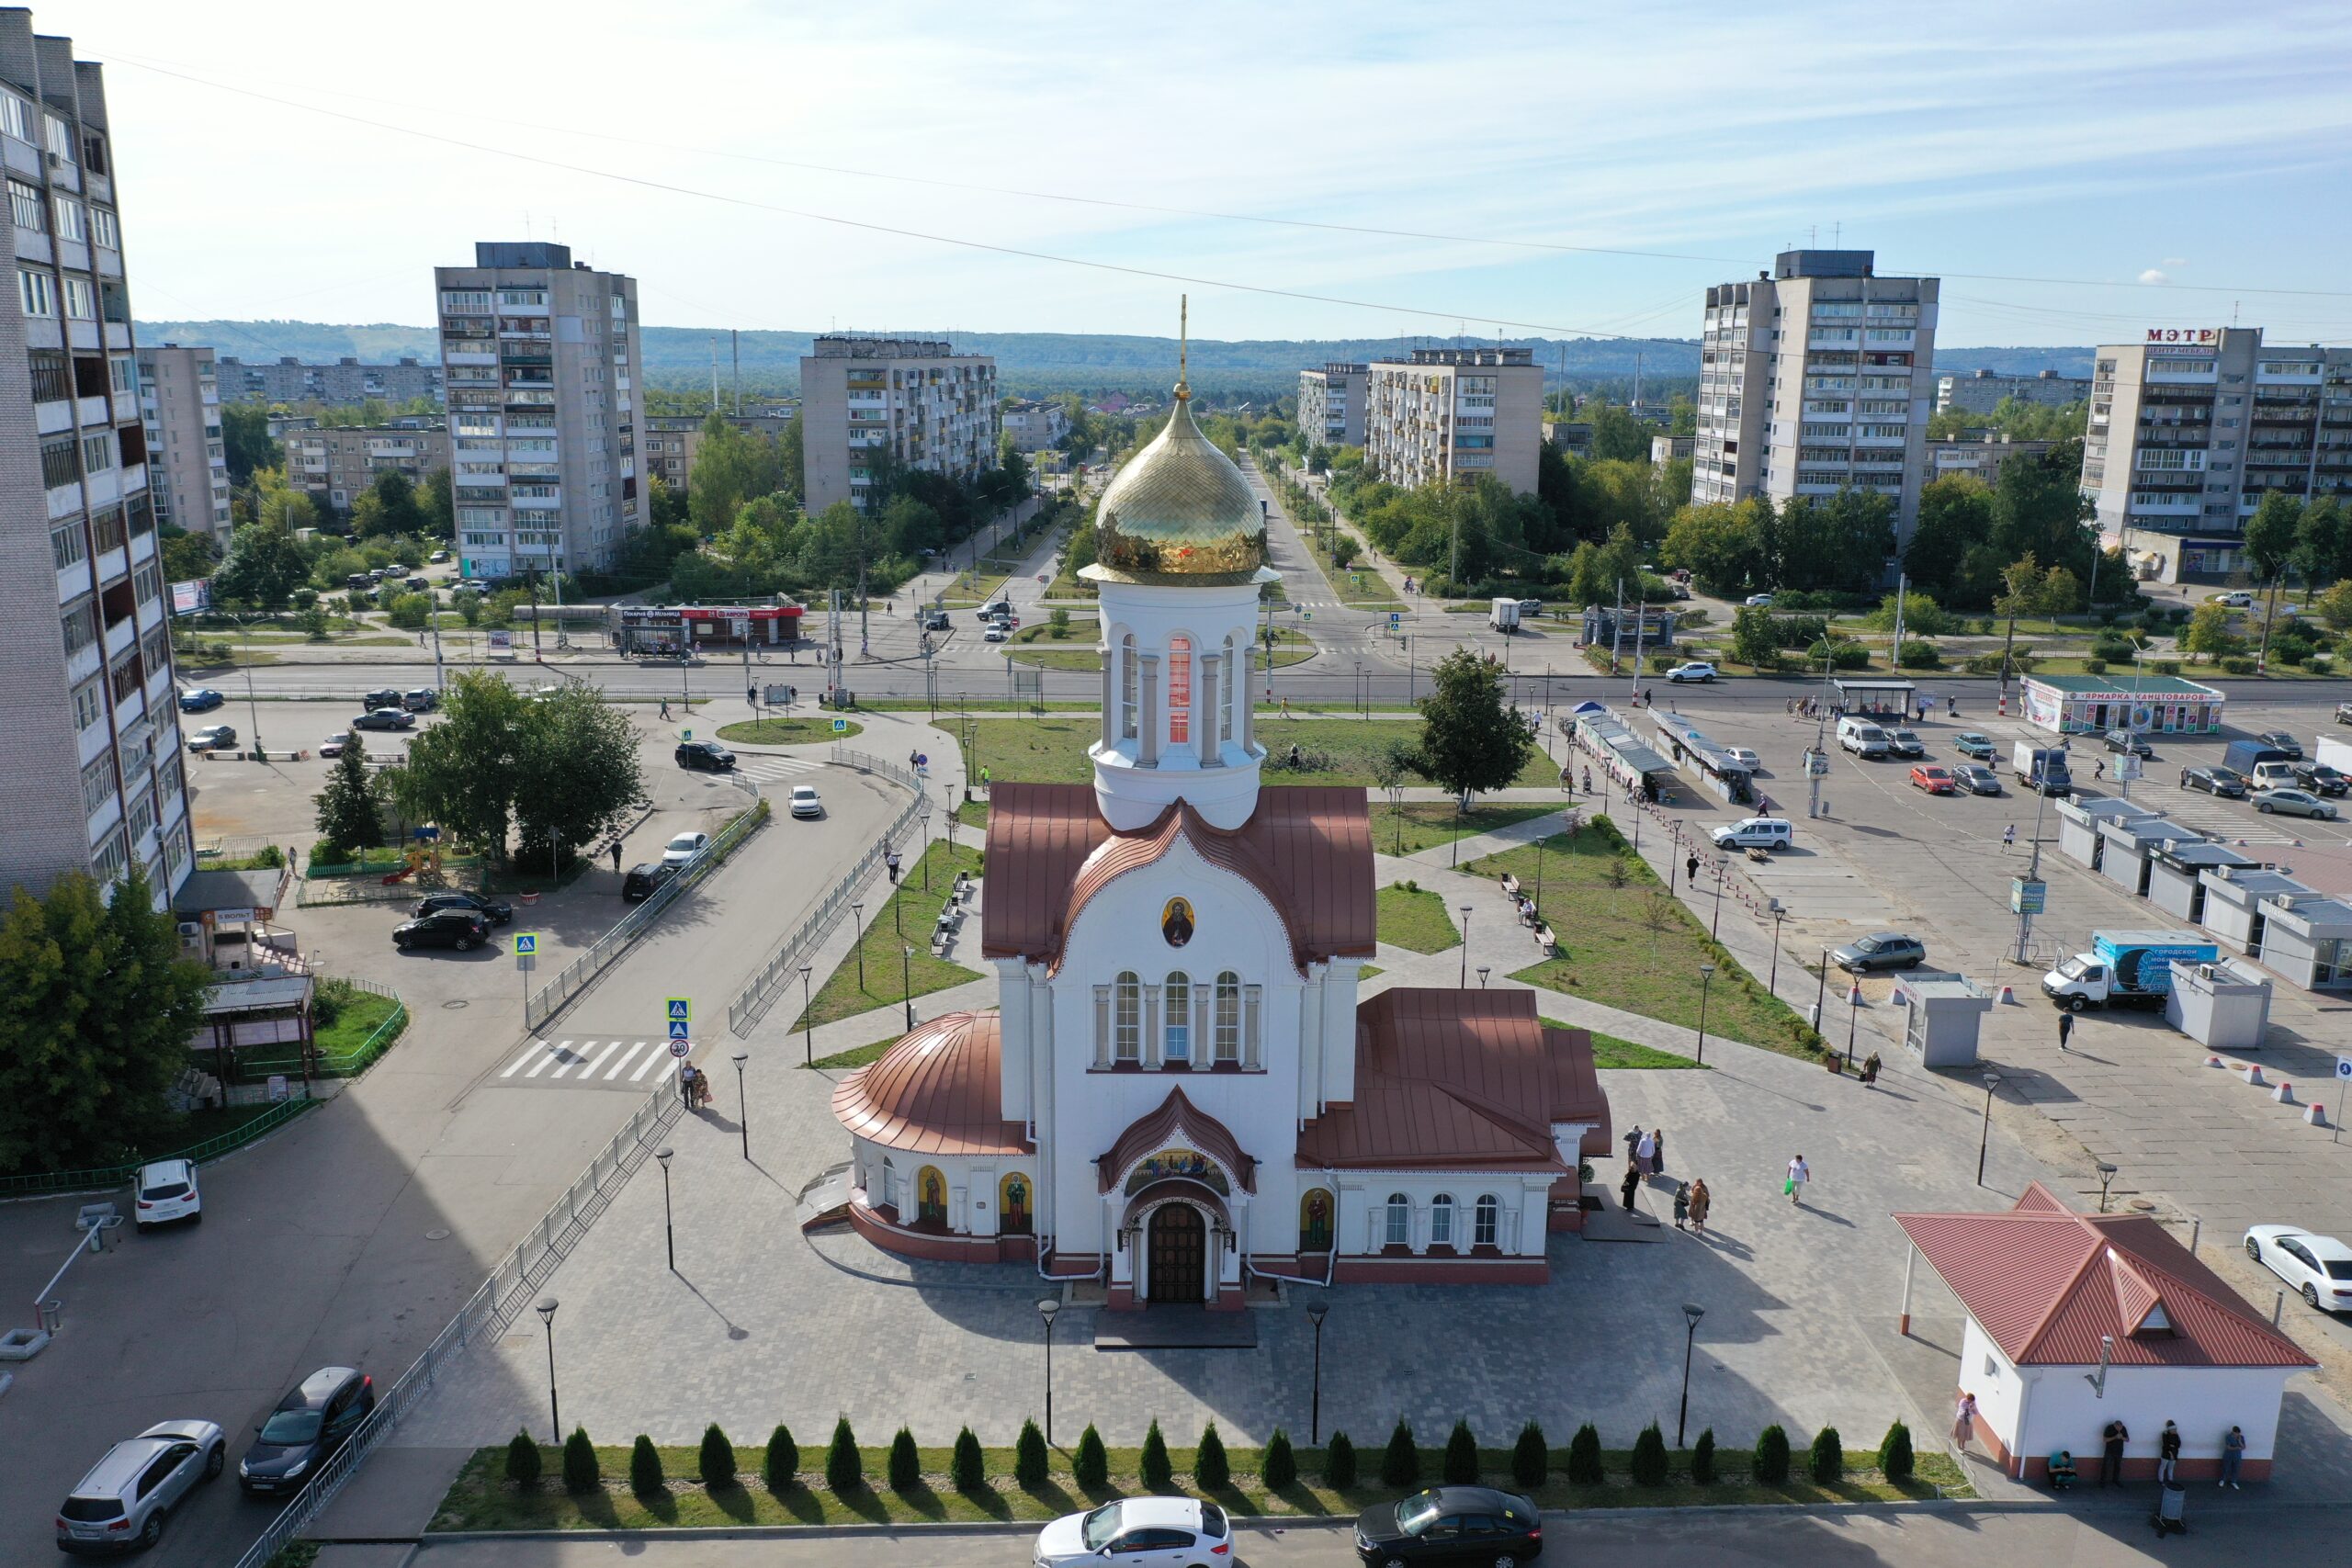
<point x="1799" y="1174"/>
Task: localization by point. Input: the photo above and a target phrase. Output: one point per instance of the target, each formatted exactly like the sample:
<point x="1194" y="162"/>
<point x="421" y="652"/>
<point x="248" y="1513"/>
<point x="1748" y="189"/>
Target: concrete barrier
<point x="2284" y="1094"/>
<point x="2254" y="1075"/>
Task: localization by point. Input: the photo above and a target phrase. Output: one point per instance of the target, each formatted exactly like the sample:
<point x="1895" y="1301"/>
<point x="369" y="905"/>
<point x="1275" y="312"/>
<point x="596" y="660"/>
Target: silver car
<point x="2293" y="803"/>
<point x="120" y="1505"/>
<point x="1977" y="779"/>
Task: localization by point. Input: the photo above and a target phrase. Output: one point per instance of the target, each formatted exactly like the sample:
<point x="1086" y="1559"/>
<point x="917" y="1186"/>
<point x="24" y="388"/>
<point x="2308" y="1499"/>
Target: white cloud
<point x="2155" y="274"/>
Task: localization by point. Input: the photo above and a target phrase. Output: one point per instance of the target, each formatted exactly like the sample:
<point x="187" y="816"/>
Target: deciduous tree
<point x="1472" y="740"/>
<point x="350" y="814"/>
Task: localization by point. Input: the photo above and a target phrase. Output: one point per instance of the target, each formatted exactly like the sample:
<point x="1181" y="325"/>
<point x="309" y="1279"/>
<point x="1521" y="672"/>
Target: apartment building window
<point x="69" y="546"/>
<point x="107" y="526"/>
<point x="24" y="206"/>
<point x="89" y="703"/>
<point x="128" y="675"/>
<point x="522" y="297"/>
<point x="168" y="779"/>
<point x="50" y="375"/>
<point x="103" y="231"/>
<point x="61" y="138"/>
<point x="97" y="452"/>
<point x="147" y="583"/>
<point x="460" y="302"/>
<point x="69" y="218"/>
<point x="141" y="514"/>
<point x="36" y="293"/>
<point x="80" y="621"/>
<point x="81" y="304"/>
<point x="15" y="118"/>
<point x="112" y="858"/>
<point x="57" y="463"/>
<point x="98" y="784"/>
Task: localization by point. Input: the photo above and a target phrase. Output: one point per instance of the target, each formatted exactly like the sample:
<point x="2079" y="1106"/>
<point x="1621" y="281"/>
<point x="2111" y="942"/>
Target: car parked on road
<point x="2280" y="740"/>
<point x="1744" y="757"/>
<point x="2316" y="1268"/>
<point x="1151" y="1532"/>
<point x="385" y="718"/>
<point x="683" y="848"/>
<point x="2129" y="742"/>
<point x="200" y="699"/>
<point x="1977" y="779"/>
<point x="642" y="879"/>
<point x="464" y="930"/>
<point x="805" y="801"/>
<point x="165" y="1191"/>
<point x="2293" y="803"/>
<point x="438" y="557"/>
<point x="2224" y="782"/>
<point x="1881" y="950"/>
<point x="213" y="737"/>
<point x="306" y="1428"/>
<point x="2344" y="712"/>
<point x="381" y="697"/>
<point x="1933" y="779"/>
<point x="1759" y="601"/>
<point x="1862" y="737"/>
<point x="703" y="756"/>
<point x="995" y="609"/>
<point x="998" y="632"/>
<point x="2237" y="599"/>
<point x="1453" y="1525"/>
<point x="1906" y="743"/>
<point x="2321" y="779"/>
<point x="423" y="699"/>
<point x="333" y="744"/>
<point x="497" y="911"/>
<point x="1756" y="833"/>
<point x="122" y="1502"/>
<point x="1969" y="743"/>
<point x="1697" y="669"/>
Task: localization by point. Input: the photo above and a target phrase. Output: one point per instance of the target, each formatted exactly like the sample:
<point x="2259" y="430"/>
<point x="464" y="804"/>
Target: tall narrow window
<point x="1483" y="1221"/>
<point x="1442" y="1220"/>
<point x="1177" y="1017"/>
<point x="1229" y="1017"/>
<point x="1237" y="689"/>
<point x="1400" y="1220"/>
<point x="1126" y="1018"/>
<point x="1180" y="691"/>
<point x="1128" y="687"/>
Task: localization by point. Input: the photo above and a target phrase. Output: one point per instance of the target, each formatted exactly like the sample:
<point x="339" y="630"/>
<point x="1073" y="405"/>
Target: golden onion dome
<point x="1178" y="512"/>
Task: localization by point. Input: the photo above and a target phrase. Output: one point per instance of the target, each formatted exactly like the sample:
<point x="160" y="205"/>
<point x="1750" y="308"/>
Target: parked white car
<point x="1150" y="1532"/>
<point x="683" y="848"/>
<point x="1697" y="669"/>
<point x="2316" y="1268"/>
<point x="166" y="1191"/>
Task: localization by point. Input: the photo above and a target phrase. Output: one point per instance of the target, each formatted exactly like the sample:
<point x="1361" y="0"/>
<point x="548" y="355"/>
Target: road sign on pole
<point x="680" y="1029"/>
<point x="841" y="726"/>
<point x="679" y="1047"/>
<point x="678" y="1009"/>
<point x="526" y="945"/>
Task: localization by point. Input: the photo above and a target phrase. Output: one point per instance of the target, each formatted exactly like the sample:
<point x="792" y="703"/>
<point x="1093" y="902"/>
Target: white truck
<point x="1504" y="615"/>
<point x="2042" y="768"/>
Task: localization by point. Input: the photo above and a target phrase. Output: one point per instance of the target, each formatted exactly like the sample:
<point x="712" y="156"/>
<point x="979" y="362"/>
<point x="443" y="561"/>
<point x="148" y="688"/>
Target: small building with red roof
<point x="2076" y="1320"/>
<point x="1181" y="1089"/>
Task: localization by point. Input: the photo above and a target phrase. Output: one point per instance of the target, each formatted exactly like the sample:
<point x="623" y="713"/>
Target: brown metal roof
<point x="938" y="1091"/>
<point x="1306" y="848"/>
<point x="1177" y="1120"/>
<point x="2047" y="1283"/>
<point x="1459" y="1079"/>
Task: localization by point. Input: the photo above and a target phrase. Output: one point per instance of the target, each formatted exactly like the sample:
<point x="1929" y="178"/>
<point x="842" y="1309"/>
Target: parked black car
<point x="461" y="929"/>
<point x="496" y="911"/>
<point x="306" y="1428"/>
<point x="2129" y="743"/>
<point x="393" y="717"/>
<point x="708" y="756"/>
<point x="2224" y="782"/>
<point x="641" y="880"/>
<point x="1451" y="1524"/>
<point x="2321" y="779"/>
<point x="1881" y="950"/>
<point x="2279" y="739"/>
<point x="381" y="697"/>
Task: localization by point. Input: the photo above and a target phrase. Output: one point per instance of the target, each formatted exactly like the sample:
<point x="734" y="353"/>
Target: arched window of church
<point x="1126" y="1017"/>
<point x="1442" y="1220"/>
<point x="1128" y="687"/>
<point x="1229" y="1017"/>
<point x="1180" y="691"/>
<point x="1484" y="1221"/>
<point x="1400" y="1220"/>
<point x="1176" y="1012"/>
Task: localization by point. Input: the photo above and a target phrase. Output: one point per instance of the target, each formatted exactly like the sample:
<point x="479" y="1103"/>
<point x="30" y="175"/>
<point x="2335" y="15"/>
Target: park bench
<point x="1548" y="943"/>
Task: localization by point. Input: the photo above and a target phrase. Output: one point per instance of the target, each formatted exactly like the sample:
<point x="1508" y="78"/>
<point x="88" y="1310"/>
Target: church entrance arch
<point x="1177" y="1255"/>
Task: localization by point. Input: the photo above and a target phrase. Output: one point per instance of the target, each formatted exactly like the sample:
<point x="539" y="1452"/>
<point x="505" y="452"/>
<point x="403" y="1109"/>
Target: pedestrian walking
<point x="1691" y="868"/>
<point x="1626" y="1188"/>
<point x="2168" y="1453"/>
<point x="2065" y="1029"/>
<point x="666" y="707"/>
<point x="1964" y="1421"/>
<point x="1588" y="781"/>
<point x="2233" y="1455"/>
<point x="687" y="1073"/>
<point x="2099" y="770"/>
<point x="1799" y="1174"/>
<point x="1646" y="1155"/>
<point x="891" y="862"/>
<point x="2009" y="837"/>
<point x="1700" y="1202"/>
<point x="1951" y="707"/>
<point x="617" y="854"/>
<point x="1681" y="1206"/>
<point x="1870" y="1070"/>
<point x="984" y="781"/>
<point x="2111" y="1459"/>
<point x="1633" y="1139"/>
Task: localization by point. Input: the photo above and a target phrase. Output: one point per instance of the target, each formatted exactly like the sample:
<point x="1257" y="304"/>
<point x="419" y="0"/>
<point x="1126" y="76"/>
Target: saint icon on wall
<point x="1176" y="922"/>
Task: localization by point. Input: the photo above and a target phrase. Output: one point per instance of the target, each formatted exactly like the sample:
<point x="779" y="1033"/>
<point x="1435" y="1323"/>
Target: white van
<point x="1756" y="833"/>
<point x="1862" y="737"/>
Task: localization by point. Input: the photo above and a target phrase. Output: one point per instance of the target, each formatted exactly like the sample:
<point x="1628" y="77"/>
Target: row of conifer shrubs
<point x="1533" y="1461"/>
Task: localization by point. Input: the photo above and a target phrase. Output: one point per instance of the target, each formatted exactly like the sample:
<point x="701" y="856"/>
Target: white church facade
<point x="1181" y="1089"/>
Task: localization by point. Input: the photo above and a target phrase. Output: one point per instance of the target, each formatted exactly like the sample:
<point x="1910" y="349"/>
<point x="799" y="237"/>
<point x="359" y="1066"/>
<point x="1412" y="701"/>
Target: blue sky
<point x="2189" y="162"/>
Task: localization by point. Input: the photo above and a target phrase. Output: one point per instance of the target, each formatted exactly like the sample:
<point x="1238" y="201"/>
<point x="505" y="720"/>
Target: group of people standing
<point x="1645" y="1159"/>
<point x="2111" y="1440"/>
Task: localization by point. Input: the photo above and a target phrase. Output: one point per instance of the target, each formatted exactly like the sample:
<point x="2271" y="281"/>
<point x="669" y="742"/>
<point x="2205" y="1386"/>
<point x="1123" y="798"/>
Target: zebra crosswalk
<point x="775" y="768"/>
<point x="601" y="1063"/>
<point x="2228" y="821"/>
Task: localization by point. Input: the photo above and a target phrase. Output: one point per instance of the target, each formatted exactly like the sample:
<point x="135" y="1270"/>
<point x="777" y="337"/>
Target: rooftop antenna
<point x="526" y="223"/>
<point x="1836" y="229"/>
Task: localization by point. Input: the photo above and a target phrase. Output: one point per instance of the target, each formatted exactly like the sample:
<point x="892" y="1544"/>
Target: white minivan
<point x="1862" y="737"/>
<point x="1757" y="833"/>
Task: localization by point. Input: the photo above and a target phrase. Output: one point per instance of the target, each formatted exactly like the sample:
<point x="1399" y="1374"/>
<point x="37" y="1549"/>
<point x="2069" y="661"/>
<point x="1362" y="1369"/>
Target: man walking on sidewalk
<point x="2065" y="1029"/>
<point x="1799" y="1174"/>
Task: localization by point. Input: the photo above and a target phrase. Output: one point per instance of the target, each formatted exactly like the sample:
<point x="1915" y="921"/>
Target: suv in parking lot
<point x="641" y="880"/>
<point x="497" y="911"/>
<point x="706" y="755"/>
<point x="306" y="1428"/>
<point x="165" y="1191"/>
<point x="120" y="1505"/>
<point x="464" y="930"/>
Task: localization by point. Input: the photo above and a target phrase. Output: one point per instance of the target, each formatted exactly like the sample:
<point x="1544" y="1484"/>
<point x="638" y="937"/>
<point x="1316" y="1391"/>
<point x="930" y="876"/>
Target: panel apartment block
<point x="336" y="464"/>
<point x="915" y="398"/>
<point x="1981" y="391"/>
<point x="1817" y="376"/>
<point x="347" y="383"/>
<point x="1330" y="404"/>
<point x="187" y="464"/>
<point x="541" y="357"/>
<point x="1034" y="424"/>
<point x="671" y="441"/>
<point x="93" y="768"/>
<point x="1446" y="415"/>
<point x="2193" y="425"/>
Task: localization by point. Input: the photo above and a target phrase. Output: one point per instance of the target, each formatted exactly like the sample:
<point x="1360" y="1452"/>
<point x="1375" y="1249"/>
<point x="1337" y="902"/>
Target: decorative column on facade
<point x="1110" y="693"/>
<point x="1149" y="755"/>
<point x="1151" y="1026"/>
<point x="1205" y="714"/>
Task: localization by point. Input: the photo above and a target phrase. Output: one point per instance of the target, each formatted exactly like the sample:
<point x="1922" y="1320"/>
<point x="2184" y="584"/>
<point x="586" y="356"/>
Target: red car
<point x="1933" y="780"/>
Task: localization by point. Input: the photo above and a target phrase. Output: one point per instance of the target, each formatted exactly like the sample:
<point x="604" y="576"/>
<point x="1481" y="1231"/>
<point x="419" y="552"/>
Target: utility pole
<point x="735" y="347"/>
<point x="714" y="375"/>
<point x="1894" y="648"/>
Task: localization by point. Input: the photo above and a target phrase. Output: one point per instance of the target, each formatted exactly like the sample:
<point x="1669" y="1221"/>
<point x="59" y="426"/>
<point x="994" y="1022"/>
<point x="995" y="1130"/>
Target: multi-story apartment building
<point x="1330" y="404"/>
<point x="542" y="358"/>
<point x="1035" y="425"/>
<point x="337" y="464"/>
<point x="914" y="398"/>
<point x="2191" y="426"/>
<point x="1817" y="376"/>
<point x="1979" y="454"/>
<point x="344" y="384"/>
<point x="92" y="767"/>
<point x="1666" y="450"/>
<point x="671" y="441"/>
<point x="1446" y="415"/>
<point x="187" y="465"/>
<point x="1981" y="391"/>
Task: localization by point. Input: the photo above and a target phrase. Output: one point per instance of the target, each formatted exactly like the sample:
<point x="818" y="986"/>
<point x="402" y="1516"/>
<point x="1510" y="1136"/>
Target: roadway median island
<point x="787" y="731"/>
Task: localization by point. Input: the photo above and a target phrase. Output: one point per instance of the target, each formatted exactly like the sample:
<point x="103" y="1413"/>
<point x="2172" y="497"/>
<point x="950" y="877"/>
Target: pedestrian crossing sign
<point x="678" y="1009"/>
<point x="841" y="726"/>
<point x="678" y="1029"/>
<point x="526" y="945"/>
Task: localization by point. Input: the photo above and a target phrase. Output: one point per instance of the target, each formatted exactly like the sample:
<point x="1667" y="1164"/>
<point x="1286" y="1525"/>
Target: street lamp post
<point x="1853" y="1017"/>
<point x="808" y="1022"/>
<point x="1706" y="983"/>
<point x="923" y="818"/>
<point x="1821" y="991"/>
<point x="906" y="982"/>
<point x="2106" y="1175"/>
<point x="555" y="1412"/>
<point x="1483" y="971"/>
<point x="1780" y="913"/>
<point x="1715" y="929"/>
<point x="1465" y="947"/>
<point x="1984" y="1133"/>
<point x="857" y="912"/>
<point x="1315" y="1313"/>
<point x="1046" y="1307"/>
<point x="1691" y="1316"/>
<point x="669" y="1230"/>
<point x="742" y="1102"/>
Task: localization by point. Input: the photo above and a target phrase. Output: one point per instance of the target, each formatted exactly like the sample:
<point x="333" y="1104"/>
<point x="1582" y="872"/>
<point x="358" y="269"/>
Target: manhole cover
<point x="438" y="1232"/>
<point x="2142" y="1205"/>
<point x="452" y="1007"/>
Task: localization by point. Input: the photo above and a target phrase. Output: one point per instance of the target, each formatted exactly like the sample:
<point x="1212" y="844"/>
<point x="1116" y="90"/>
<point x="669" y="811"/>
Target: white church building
<point x="1179" y="1089"/>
